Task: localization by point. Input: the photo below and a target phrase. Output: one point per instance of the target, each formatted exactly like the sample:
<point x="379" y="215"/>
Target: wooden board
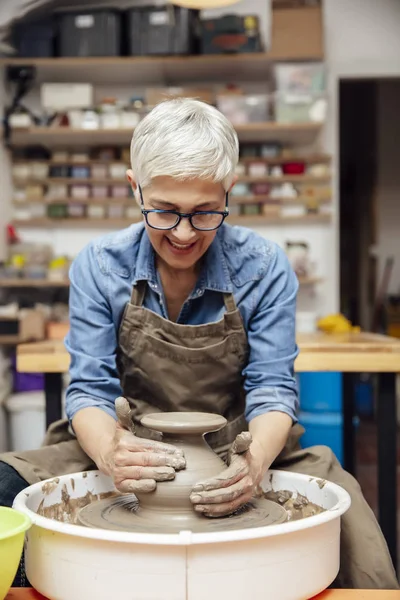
<point x="356" y="353"/>
<point x="277" y="160"/>
<point x="309" y="179"/>
<point x="296" y="134"/>
<point x="359" y="595"/>
<point x="168" y="70"/>
<point x="29" y="594"/>
<point x="90" y="223"/>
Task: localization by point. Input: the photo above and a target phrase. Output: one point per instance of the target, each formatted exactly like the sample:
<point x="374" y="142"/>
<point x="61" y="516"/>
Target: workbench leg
<point x="387" y="460"/>
<point x="349" y="446"/>
<point x="53" y="388"/>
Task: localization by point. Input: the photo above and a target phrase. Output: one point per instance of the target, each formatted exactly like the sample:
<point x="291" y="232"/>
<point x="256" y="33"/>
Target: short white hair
<point x="185" y="139"/>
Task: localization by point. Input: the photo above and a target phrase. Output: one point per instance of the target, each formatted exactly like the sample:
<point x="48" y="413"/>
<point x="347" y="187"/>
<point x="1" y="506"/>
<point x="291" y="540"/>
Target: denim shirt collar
<point x="214" y="275"/>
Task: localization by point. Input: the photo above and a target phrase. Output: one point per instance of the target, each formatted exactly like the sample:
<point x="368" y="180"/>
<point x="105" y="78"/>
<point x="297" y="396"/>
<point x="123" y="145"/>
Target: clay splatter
<point x="67" y="510"/>
<point x="50" y="486"/>
<point x="73" y="483"/>
<point x="297" y="506"/>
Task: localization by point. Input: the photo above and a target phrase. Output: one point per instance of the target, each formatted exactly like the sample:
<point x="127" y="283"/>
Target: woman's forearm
<point x="95" y="431"/>
<point x="270" y="433"/>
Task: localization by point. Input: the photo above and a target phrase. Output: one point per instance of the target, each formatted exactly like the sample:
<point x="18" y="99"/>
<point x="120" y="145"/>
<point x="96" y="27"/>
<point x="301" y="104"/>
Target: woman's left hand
<point x="235" y="486"/>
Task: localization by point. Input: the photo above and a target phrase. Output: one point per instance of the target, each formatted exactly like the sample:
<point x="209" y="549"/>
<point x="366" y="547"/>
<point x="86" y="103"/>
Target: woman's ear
<point x="234" y="182"/>
<point x="133" y="184"/>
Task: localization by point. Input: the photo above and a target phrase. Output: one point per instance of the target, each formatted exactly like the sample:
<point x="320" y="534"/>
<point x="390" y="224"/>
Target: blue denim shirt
<point x="239" y="261"/>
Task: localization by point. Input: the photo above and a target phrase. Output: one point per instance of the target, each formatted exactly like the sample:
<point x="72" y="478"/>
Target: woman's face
<point x="181" y="248"/>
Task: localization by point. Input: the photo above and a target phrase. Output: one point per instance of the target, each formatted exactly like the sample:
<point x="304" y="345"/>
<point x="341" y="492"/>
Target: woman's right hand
<point x="136" y="464"/>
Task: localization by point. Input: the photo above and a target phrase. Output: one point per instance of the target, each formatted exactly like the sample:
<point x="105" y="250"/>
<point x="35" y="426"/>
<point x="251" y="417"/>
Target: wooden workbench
<point x="349" y="353"/>
<point x="344" y="352"/>
<point x="29" y="594"/>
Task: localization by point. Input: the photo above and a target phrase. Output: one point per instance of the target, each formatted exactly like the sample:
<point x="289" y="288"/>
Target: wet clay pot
<point x="186" y="431"/>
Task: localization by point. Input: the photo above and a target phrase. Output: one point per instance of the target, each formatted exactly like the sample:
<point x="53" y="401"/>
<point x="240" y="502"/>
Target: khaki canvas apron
<point x="165" y="366"/>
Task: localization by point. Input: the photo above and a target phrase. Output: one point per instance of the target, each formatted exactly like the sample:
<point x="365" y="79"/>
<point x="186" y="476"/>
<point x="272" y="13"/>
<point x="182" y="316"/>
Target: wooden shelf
<point x="294" y="133"/>
<point x="20" y="204"/>
<point x="71" y="223"/>
<point x="32" y="283"/>
<point x="305" y="281"/>
<point x="261" y="199"/>
<point x="306" y="158"/>
<point x="159" y="70"/>
<point x="286" y="179"/>
<point x="109" y="181"/>
<point x="233" y="200"/>
<point x="70" y="181"/>
<point x="9" y="340"/>
<point x="281" y="160"/>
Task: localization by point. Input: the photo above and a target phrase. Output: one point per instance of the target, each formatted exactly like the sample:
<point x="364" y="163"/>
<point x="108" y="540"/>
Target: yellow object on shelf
<point x="337" y="323"/>
<point x="13" y="525"/>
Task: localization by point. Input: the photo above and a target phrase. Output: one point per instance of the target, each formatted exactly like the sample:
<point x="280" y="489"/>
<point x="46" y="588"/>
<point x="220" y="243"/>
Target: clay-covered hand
<point x="136" y="464"/>
<point x="235" y="486"/>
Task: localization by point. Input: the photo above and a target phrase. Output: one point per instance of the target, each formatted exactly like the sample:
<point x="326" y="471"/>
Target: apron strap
<point x="230" y="303"/>
<point x="138" y="293"/>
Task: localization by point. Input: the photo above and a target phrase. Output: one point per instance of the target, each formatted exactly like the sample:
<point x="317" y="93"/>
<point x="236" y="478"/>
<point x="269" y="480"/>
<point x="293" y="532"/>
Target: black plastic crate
<point x="90" y="33"/>
<point x="35" y="39"/>
<point x="159" y="30"/>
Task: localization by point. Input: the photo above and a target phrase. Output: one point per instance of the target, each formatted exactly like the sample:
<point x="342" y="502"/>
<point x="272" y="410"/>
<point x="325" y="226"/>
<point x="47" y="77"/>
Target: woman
<point x="186" y="313"/>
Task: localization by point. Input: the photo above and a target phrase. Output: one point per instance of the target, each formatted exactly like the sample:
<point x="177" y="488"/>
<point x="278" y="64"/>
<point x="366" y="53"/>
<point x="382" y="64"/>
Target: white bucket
<point x="27" y="420"/>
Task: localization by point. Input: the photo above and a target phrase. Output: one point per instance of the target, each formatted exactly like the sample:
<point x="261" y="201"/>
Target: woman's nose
<point x="184" y="232"/>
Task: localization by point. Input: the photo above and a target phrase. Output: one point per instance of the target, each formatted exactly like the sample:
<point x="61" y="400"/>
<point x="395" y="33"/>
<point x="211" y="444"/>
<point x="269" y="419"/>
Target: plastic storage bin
<point x="153" y="30"/>
<point x="323" y="429"/>
<point x="90" y="33"/>
<point x="300" y="78"/>
<point x="35" y="39"/>
<point x="320" y="392"/>
<point x="300" y="108"/>
<point x="27" y="420"/>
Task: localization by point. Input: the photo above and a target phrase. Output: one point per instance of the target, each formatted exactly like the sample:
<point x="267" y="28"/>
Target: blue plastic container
<point x="320" y="392"/>
<point x="324" y="429"/>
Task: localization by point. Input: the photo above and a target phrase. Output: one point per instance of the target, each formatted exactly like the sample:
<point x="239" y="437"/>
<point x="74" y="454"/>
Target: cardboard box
<point x="297" y="32"/>
<point x="57" y="331"/>
<point x="156" y="95"/>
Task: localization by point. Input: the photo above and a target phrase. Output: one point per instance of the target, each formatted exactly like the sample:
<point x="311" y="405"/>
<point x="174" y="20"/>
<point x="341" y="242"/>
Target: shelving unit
<point x="313" y="191"/>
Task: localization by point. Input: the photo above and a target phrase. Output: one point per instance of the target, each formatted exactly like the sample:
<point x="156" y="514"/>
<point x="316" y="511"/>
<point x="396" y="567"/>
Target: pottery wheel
<point x="124" y="514"/>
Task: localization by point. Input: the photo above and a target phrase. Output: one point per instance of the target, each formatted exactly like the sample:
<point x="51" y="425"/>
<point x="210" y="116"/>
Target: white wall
<point x="361" y="40"/>
<point x="388" y="189"/>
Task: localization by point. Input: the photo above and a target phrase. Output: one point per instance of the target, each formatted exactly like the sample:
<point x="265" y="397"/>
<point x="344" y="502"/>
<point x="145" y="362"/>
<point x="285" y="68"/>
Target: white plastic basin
<point x="290" y="561"/>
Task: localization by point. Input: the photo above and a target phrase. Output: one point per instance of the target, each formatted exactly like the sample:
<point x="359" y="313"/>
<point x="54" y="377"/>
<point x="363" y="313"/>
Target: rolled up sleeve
<point x="92" y="339"/>
<point x="270" y="382"/>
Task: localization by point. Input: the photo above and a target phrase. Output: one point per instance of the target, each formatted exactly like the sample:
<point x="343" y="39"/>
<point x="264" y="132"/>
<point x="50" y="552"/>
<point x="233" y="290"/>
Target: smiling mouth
<point x="181" y="247"/>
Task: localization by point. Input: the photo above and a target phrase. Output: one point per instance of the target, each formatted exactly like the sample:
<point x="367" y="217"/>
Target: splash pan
<point x="284" y="561"/>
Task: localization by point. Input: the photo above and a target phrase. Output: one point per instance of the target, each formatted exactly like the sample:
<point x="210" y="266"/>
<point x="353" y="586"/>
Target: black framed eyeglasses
<point x="205" y="220"/>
